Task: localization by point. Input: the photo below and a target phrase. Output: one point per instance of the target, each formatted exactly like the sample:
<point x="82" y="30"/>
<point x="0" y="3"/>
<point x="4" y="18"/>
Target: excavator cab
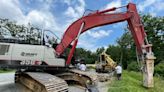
<point x="102" y="59"/>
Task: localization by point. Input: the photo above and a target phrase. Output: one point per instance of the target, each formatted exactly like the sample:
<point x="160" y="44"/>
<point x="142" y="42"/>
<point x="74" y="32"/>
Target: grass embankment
<point x="6" y="71"/>
<point x="132" y="82"/>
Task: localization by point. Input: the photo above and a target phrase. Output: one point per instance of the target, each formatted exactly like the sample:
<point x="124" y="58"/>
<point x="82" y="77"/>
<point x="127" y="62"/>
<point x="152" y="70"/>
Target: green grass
<point x="6" y="71"/>
<point x="132" y="82"/>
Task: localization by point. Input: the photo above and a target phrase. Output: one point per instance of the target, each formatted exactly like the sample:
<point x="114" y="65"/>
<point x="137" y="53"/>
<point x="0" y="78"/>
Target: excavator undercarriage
<point x="56" y="81"/>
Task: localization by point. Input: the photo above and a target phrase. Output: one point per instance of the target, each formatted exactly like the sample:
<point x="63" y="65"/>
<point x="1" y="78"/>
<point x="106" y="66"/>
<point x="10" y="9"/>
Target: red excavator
<point x="49" y="72"/>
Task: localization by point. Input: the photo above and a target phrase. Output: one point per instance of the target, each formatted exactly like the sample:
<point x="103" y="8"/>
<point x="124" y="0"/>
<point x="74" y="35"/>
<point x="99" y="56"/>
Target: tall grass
<point x="132" y="82"/>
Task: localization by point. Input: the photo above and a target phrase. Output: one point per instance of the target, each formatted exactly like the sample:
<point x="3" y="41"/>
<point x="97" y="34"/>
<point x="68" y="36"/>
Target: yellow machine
<point x="105" y="63"/>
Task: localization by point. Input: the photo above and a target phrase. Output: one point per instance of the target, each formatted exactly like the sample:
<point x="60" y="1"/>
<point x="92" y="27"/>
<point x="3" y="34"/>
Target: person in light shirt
<point x="82" y="66"/>
<point x="118" y="69"/>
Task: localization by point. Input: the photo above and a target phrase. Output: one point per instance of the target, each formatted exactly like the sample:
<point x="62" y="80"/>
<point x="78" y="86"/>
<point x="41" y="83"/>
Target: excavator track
<point x="93" y="77"/>
<point x="90" y="79"/>
<point x="43" y="82"/>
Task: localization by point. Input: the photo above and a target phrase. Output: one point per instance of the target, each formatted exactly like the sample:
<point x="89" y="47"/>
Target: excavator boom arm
<point x="101" y="18"/>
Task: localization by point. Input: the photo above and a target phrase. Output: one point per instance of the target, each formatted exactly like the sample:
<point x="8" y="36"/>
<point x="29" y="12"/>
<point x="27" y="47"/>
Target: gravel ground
<point x="7" y="84"/>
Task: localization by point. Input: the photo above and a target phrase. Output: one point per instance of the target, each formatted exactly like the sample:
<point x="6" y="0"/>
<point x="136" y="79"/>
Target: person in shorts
<point x="118" y="69"/>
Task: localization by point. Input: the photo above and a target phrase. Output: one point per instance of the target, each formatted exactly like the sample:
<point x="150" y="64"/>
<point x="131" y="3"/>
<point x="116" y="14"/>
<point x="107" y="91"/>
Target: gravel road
<point x="7" y="83"/>
<point x="6" y="78"/>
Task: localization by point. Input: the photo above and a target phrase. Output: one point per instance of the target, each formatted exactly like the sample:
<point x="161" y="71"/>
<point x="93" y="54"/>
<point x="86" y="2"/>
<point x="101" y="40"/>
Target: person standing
<point x="82" y="65"/>
<point x="118" y="69"/>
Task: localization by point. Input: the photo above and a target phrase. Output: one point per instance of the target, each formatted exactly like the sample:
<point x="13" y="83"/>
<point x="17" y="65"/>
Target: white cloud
<point x="82" y="3"/>
<point x="87" y="42"/>
<point x="151" y="6"/>
<point x="159" y="6"/>
<point x="145" y="4"/>
<point x="9" y="9"/>
<point x="71" y="12"/>
<point x="43" y="18"/>
<point x="115" y="3"/>
<point x="90" y="39"/>
<point x="68" y="2"/>
<point x="75" y="11"/>
<point x="99" y="34"/>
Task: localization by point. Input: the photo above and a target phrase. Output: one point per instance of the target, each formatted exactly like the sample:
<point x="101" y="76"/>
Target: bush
<point x="133" y="66"/>
<point x="159" y="69"/>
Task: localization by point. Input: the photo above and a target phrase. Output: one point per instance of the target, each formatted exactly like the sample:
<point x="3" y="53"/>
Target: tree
<point x="154" y="27"/>
<point x="126" y="44"/>
<point x="88" y="56"/>
<point x="31" y="35"/>
<point x="114" y="52"/>
<point x="100" y="50"/>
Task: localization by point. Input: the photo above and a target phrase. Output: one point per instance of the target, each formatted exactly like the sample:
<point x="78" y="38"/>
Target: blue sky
<point x="57" y="15"/>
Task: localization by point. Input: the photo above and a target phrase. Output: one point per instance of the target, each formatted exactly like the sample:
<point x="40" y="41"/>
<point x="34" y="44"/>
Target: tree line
<point x="29" y="34"/>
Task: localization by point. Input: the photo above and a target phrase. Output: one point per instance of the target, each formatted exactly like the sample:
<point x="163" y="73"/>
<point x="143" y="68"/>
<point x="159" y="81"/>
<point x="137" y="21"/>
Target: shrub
<point x="159" y="69"/>
<point x="133" y="66"/>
